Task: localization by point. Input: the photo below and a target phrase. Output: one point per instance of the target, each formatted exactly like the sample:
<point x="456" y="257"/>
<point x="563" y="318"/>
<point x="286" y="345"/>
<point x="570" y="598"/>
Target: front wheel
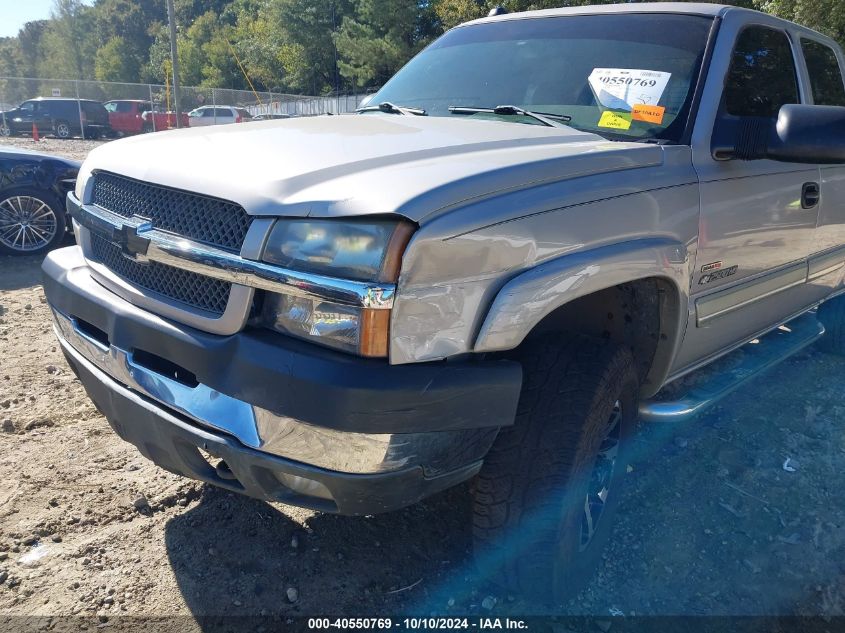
<point x="31" y="222"/>
<point x="546" y="495"/>
<point x="5" y="130"/>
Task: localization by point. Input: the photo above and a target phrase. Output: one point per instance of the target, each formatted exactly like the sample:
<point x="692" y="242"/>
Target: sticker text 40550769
<point x="628" y="81"/>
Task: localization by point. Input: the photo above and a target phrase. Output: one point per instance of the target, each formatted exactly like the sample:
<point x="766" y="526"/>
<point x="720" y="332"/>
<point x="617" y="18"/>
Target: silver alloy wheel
<point x="601" y="477"/>
<point x="63" y="130"/>
<point x="4" y="130"/>
<point x="26" y="223"/>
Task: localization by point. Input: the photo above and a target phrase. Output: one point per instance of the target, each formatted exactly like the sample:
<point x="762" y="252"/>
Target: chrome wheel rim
<point x="62" y="130"/>
<point x="601" y="477"/>
<point x="4" y="130"/>
<point x="26" y="223"/>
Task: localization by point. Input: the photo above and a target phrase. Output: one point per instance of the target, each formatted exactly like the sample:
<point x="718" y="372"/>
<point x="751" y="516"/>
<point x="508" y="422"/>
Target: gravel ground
<point x="74" y="148"/>
<point x="713" y="523"/>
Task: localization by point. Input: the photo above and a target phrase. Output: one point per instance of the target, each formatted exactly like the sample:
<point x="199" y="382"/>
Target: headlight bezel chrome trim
<point x="173" y="250"/>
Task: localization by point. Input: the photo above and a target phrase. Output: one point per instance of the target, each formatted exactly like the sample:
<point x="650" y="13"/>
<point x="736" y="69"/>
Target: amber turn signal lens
<point x="375" y="333"/>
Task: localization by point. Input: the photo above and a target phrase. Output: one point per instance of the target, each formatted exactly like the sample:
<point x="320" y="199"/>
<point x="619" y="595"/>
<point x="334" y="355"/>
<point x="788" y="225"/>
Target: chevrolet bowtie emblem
<point x="132" y="243"/>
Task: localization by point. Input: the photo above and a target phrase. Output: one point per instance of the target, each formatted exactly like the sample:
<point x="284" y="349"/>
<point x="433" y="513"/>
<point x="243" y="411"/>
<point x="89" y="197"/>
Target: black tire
<point x="832" y="315"/>
<point x="62" y="129"/>
<point x="14" y="198"/>
<point x="530" y="497"/>
<point x="5" y="130"/>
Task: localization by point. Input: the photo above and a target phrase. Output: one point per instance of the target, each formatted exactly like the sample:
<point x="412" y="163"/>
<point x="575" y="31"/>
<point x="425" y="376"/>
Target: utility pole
<point x="174" y="60"/>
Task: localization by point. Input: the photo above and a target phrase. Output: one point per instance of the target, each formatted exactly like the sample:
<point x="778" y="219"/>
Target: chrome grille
<point x="191" y="215"/>
<point x="191" y="289"/>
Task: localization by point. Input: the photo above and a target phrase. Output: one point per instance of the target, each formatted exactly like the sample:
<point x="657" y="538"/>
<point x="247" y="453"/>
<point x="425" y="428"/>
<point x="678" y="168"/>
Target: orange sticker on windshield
<point x="615" y="120"/>
<point x="648" y="113"/>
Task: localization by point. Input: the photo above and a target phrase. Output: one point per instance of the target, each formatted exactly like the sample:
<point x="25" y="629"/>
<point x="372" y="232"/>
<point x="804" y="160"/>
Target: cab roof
<point x="679" y="8"/>
<point x="691" y="8"/>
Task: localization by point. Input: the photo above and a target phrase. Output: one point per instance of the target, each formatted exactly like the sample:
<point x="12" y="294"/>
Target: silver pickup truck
<point x="487" y="274"/>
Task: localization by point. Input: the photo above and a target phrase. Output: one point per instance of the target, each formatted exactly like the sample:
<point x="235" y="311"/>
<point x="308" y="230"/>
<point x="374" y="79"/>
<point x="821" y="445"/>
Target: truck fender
<point x="525" y="300"/>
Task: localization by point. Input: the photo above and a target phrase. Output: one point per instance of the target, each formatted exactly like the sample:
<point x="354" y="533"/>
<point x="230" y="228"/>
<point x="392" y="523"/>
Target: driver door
<point x="758" y="217"/>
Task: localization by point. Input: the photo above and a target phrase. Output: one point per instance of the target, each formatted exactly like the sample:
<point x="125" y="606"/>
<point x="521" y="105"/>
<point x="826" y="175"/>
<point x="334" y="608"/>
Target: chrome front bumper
<point x="451" y="414"/>
<point x="253" y="426"/>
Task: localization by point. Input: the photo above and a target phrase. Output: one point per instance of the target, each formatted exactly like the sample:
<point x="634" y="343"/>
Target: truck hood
<point x="417" y="167"/>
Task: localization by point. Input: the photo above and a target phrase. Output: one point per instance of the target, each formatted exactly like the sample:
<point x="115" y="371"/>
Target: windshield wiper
<point x="547" y="118"/>
<point x="392" y="108"/>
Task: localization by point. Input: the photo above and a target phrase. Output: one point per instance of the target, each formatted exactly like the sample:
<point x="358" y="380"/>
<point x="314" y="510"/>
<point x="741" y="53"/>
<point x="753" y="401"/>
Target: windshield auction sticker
<point x="624" y="88"/>
<point x="648" y="113"/>
<point x="615" y="120"/>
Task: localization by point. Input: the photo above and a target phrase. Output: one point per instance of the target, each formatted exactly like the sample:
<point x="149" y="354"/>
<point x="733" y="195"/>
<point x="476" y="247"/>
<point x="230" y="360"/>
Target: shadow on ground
<point x="235" y="555"/>
<point x="24" y="271"/>
<point x="712" y="524"/>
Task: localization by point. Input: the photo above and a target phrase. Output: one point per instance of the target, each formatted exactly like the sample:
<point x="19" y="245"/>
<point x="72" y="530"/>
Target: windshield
<point x="628" y="76"/>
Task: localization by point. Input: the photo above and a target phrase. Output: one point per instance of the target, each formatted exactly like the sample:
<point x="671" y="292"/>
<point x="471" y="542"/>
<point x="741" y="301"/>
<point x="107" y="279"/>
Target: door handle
<point x="810" y="195"/>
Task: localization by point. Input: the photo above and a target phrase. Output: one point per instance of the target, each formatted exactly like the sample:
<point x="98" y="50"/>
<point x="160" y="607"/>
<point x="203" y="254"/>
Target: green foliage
<point x="308" y="46"/>
<point x="827" y="16"/>
<point x="67" y="48"/>
<point x="304" y="41"/>
<point x="380" y="37"/>
<point x="115" y="62"/>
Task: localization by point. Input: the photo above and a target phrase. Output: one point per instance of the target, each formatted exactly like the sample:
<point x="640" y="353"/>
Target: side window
<point x="825" y="74"/>
<point x="28" y="107"/>
<point x="124" y="106"/>
<point x="762" y="76"/>
<point x="208" y="112"/>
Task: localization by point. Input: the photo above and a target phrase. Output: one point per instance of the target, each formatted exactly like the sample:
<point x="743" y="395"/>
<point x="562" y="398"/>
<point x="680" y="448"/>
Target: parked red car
<point x="134" y="116"/>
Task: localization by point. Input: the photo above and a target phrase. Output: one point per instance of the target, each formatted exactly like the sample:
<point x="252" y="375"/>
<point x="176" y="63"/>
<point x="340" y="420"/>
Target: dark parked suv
<point x="61" y="117"/>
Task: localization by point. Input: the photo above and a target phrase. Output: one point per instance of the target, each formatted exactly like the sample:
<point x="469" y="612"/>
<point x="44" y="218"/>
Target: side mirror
<point x="809" y="134"/>
<point x="801" y="134"/>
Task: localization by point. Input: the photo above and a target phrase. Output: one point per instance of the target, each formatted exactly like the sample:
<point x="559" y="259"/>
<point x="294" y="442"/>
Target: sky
<point x="15" y="13"/>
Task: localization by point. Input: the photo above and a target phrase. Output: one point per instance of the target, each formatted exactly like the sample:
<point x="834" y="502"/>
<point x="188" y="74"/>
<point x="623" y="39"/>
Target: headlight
<point x="363" y="251"/>
<point x="367" y="251"/>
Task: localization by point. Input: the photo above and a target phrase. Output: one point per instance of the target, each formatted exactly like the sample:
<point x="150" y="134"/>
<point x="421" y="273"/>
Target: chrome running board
<point x="713" y="382"/>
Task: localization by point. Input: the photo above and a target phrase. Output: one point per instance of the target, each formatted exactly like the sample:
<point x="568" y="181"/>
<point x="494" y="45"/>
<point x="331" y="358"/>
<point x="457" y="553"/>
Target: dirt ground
<point x="713" y="523"/>
<point x="74" y="148"/>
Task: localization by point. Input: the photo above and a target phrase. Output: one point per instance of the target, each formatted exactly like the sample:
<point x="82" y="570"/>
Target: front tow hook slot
<point x="224" y="472"/>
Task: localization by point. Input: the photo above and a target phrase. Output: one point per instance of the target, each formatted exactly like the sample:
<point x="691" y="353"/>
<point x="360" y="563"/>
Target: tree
<point x="128" y="28"/>
<point x="306" y="46"/>
<point x="827" y="16"/>
<point x="116" y="62"/>
<point x="30" y="43"/>
<point x="68" y="49"/>
<point x="453" y="12"/>
<point x="304" y="43"/>
<point x="380" y="38"/>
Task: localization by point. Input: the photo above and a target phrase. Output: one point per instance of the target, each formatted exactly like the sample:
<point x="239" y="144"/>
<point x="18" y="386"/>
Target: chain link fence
<point x="158" y="100"/>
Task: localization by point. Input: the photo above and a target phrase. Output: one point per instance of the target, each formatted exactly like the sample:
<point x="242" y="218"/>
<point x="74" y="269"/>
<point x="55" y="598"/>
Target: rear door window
<point x="825" y="73"/>
<point x="762" y="76"/>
